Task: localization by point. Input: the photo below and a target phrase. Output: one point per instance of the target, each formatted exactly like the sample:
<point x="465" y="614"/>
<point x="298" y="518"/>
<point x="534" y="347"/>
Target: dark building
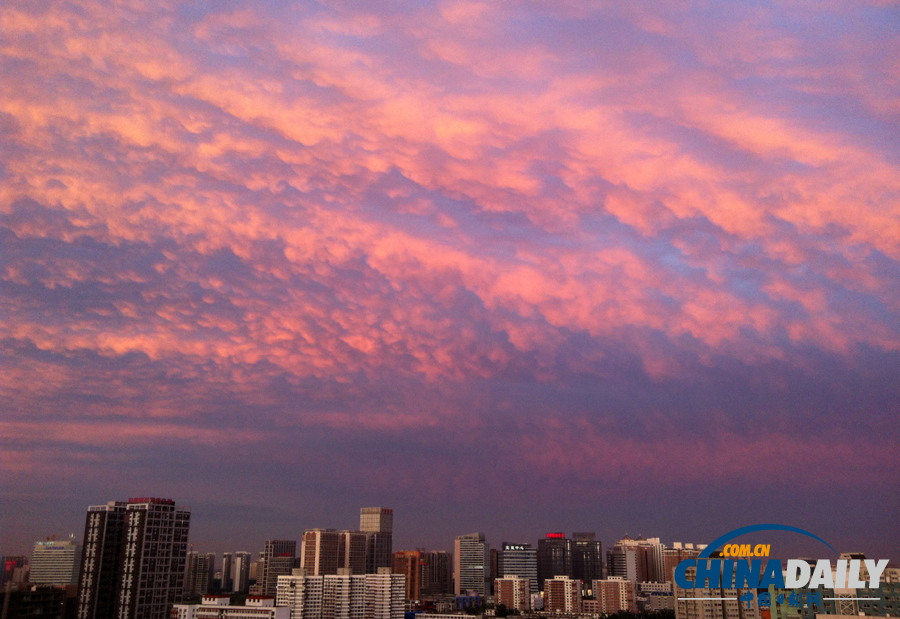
<point x="35" y="602"/>
<point x="378" y="525"/>
<point x="555" y="555"/>
<point x="437" y="573"/>
<point x="279" y="560"/>
<point x="101" y="558"/>
<point x="587" y="562"/>
<point x="137" y="550"/>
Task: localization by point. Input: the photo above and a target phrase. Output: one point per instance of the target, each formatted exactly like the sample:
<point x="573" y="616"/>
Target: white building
<point x="55" y="562"/>
<point x="343" y="595"/>
<point x="217" y="607"/>
<point x="471" y="564"/>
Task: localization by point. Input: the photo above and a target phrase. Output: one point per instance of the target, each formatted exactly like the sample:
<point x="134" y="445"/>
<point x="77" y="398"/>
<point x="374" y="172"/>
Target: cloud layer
<point x="606" y="245"/>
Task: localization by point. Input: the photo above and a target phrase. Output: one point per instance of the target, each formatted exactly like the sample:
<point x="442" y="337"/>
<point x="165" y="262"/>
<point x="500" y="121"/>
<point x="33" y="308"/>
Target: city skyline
<point x="517" y="267"/>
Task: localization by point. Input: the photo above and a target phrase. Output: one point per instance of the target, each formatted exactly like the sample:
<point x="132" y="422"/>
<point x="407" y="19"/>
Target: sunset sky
<point x="511" y="267"/>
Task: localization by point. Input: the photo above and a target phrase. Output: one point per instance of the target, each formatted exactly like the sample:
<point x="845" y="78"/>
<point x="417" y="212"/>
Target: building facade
<point x="562" y="595"/>
<point x="518" y="560"/>
<point x="137" y="550"/>
<point x="218" y="607"/>
<point x="378" y="525"/>
<point x="55" y="562"/>
<point x="437" y="573"/>
<point x="471" y="564"/>
<point x="615" y="594"/>
<point x="514" y="592"/>
<point x="277" y="560"/>
<point x="587" y="558"/>
<point x="343" y="596"/>
<point x="554" y="557"/>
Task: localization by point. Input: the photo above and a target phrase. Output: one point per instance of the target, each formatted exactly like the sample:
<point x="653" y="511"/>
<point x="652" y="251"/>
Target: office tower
<point x="514" y="592"/>
<point x="676" y="554"/>
<point x="15" y="568"/>
<point x="241" y="572"/>
<point x="320" y="551"/>
<point x="148" y="576"/>
<point x="409" y="563"/>
<point x="562" y="595"/>
<point x="518" y="560"/>
<point x="554" y="557"/>
<point x="352" y="551"/>
<point x="437" y="573"/>
<point x="378" y="525"/>
<point x="724" y="605"/>
<point x="494" y="562"/>
<point x="637" y="560"/>
<point x="101" y="561"/>
<point x="211" y="572"/>
<point x="614" y="594"/>
<point x="278" y="557"/>
<point x="587" y="560"/>
<point x="55" y="562"/>
<point x="227" y="583"/>
<point x="471" y="564"/>
<point x="343" y="596"/>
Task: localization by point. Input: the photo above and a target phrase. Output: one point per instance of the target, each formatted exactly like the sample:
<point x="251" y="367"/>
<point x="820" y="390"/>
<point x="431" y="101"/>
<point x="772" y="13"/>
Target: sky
<point x="512" y="267"/>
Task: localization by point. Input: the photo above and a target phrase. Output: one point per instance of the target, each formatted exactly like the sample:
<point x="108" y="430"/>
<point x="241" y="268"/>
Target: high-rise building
<point x="554" y="557"/>
<point x="614" y="594"/>
<point x="409" y="563"/>
<point x="562" y="595"/>
<point x="513" y="592"/>
<point x="471" y="564"/>
<point x="227" y="583"/>
<point x="518" y="560"/>
<point x="241" y="572"/>
<point x="378" y="525"/>
<point x="587" y="558"/>
<point x="55" y="562"/>
<point x="637" y="560"/>
<point x="199" y="574"/>
<point x="352" y="551"/>
<point x="101" y="561"/>
<point x="278" y="557"/>
<point x="437" y="573"/>
<point x="148" y="574"/>
<point x="320" y="551"/>
<point x="343" y="595"/>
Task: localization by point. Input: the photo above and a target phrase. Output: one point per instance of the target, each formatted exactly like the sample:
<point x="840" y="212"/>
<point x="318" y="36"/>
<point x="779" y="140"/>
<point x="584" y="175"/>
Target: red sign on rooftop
<point x="556" y="535"/>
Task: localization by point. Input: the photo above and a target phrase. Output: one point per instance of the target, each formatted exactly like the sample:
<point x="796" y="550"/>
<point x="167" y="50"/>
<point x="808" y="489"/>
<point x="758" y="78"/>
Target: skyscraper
<point x="587" y="560"/>
<point x="437" y="573"/>
<point x="518" y="560"/>
<point x="637" y="560"/>
<point x="378" y="525"/>
<point x="227" y="583"/>
<point x="55" y="562"/>
<point x="554" y="557"/>
<point x="471" y="564"/>
<point x="100" y="560"/>
<point x="136" y="551"/>
<point x="320" y="551"/>
<point x="278" y="557"/>
<point x="352" y="551"/>
<point x="241" y="571"/>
